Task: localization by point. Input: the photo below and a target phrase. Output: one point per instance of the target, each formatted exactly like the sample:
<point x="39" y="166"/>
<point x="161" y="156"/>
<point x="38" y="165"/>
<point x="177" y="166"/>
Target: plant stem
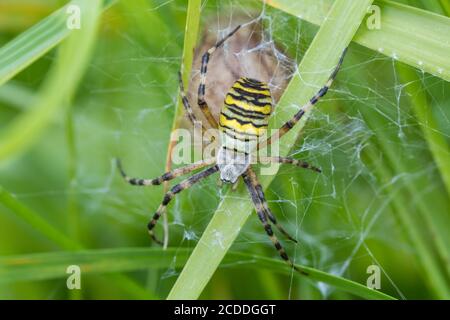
<point x="190" y="40"/>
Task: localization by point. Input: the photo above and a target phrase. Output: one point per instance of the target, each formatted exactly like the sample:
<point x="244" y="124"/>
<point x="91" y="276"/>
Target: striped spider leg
<point x="186" y="104"/>
<point x="263" y="212"/>
<point x="185" y="184"/>
<point x="260" y="193"/>
<point x="296" y="118"/>
<point x="287" y="160"/>
<point x="243" y="119"/>
<point x="202" y="86"/>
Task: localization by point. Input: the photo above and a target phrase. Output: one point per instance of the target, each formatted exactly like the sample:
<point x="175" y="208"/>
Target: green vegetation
<point x="72" y="100"/>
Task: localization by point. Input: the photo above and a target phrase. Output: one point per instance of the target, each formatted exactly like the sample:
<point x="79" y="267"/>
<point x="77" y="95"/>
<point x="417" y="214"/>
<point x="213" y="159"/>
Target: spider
<point x="243" y="119"/>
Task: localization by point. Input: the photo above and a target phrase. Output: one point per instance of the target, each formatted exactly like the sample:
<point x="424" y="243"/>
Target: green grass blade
<point x="41" y="266"/>
<point x="427" y="260"/>
<point x="446" y="6"/>
<point x="32" y="44"/>
<point x="436" y="142"/>
<point x="416" y="37"/>
<point x="320" y="59"/>
<point x="17" y="96"/>
<point x="190" y="40"/>
<point x="419" y="222"/>
<point x="36" y="221"/>
<point x="419" y="102"/>
<point x="59" y="238"/>
<point x="65" y="74"/>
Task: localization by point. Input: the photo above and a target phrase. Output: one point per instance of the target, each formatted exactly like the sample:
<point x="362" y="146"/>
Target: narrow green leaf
<point x="423" y="111"/>
<point x="17" y="96"/>
<point x="36" y="221"/>
<point x="446" y="6"/>
<point x="335" y="34"/>
<point x="425" y="256"/>
<point x="65" y="74"/>
<point x="32" y="44"/>
<point x="59" y="238"/>
<point x="190" y="40"/>
<point x="42" y="266"/>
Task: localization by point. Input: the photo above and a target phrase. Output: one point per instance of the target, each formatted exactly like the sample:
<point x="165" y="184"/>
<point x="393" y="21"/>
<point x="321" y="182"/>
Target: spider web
<point x="344" y="219"/>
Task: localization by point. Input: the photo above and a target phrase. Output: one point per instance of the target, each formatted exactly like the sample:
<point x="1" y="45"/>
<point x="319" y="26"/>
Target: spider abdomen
<point x="245" y="114"/>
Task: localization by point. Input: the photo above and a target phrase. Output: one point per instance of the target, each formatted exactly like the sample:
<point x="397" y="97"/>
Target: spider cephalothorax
<point x="243" y="121"/>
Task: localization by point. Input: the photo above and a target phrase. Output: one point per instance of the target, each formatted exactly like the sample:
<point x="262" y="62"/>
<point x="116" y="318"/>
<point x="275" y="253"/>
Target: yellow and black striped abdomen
<point x="245" y="114"/>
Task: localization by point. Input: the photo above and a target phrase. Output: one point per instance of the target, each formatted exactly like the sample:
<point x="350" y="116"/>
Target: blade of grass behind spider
<point x="335" y="34"/>
<point x="403" y="34"/>
<point x="190" y="40"/>
<point x="42" y="266"/>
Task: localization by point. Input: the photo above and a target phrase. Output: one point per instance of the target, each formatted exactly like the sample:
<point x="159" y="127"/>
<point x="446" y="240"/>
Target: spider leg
<point x="262" y="217"/>
<point x="187" y="105"/>
<point x="166" y="176"/>
<point x="201" y="88"/>
<point x="184" y="99"/>
<point x="296" y="118"/>
<point x="286" y="160"/>
<point x="260" y="193"/>
<point x="185" y="184"/>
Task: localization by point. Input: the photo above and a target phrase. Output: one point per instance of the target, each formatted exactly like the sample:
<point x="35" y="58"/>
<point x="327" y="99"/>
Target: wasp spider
<point x="243" y="119"/>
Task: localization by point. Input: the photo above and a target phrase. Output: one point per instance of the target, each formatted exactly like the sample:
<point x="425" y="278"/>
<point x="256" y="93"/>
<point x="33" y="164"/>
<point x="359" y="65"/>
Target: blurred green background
<point x="380" y="179"/>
